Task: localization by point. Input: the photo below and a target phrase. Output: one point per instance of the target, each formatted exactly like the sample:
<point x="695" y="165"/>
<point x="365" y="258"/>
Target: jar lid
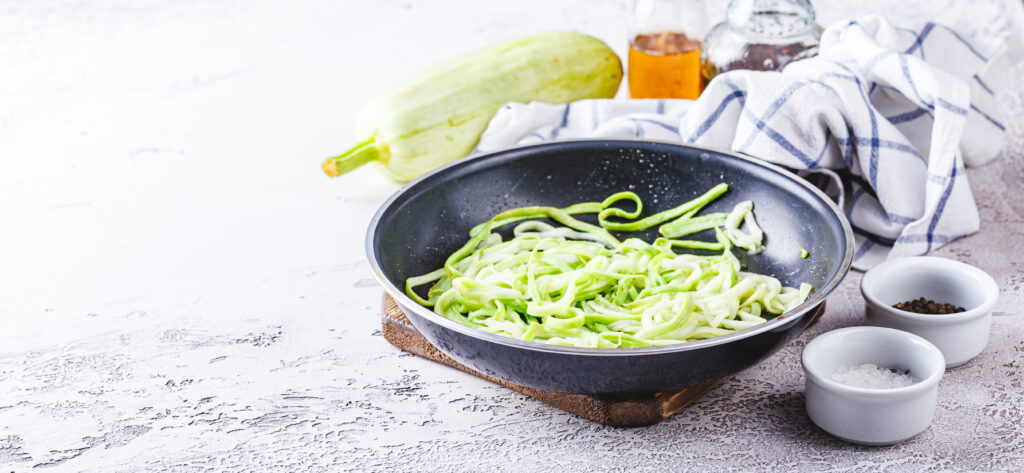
<point x="771" y="18"/>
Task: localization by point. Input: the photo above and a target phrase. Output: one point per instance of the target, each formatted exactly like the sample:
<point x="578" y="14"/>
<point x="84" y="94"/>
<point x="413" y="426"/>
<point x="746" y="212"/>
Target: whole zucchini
<point x="438" y="115"/>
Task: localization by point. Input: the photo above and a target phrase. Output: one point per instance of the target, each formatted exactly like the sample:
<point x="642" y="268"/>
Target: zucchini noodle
<point x="576" y="284"/>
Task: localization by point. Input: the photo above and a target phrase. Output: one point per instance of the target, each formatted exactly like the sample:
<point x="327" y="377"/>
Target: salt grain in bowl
<point x="872" y="376"/>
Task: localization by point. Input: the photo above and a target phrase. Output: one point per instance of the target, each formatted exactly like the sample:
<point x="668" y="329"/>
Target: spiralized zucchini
<point x="577" y="285"/>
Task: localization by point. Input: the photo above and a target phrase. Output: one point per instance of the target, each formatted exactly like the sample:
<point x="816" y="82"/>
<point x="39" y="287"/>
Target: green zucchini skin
<point x="438" y="115"/>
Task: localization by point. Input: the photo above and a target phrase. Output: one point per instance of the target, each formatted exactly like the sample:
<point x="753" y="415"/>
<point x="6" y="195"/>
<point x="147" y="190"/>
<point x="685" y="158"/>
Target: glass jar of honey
<point x="761" y="35"/>
<point x="664" y="49"/>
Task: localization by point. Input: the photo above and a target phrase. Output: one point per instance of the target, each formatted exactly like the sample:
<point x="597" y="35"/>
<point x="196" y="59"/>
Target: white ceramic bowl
<point x="871" y="416"/>
<point x="960" y="336"/>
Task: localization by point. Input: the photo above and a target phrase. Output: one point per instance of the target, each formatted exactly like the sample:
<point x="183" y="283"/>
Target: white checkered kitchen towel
<point x="894" y="112"/>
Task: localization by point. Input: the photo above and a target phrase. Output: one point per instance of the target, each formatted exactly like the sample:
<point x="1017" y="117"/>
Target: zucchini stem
<point x="356" y="156"/>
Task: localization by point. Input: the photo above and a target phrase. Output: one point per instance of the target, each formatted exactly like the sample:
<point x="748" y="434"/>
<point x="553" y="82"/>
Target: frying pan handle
<point x="816" y="316"/>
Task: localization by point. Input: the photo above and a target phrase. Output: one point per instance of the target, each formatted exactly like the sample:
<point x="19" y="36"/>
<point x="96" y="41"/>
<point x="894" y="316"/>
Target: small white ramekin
<point x="960" y="336"/>
<point x="871" y="416"/>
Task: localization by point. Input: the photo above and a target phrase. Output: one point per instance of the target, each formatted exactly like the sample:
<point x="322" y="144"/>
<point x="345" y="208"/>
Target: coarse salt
<point x="872" y="376"/>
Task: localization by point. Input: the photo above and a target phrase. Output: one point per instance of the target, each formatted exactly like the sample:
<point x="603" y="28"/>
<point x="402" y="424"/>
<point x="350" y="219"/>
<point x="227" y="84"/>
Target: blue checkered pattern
<point x="890" y="113"/>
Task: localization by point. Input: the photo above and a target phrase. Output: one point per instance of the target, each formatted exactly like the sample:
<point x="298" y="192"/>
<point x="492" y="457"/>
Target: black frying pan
<point x="428" y="219"/>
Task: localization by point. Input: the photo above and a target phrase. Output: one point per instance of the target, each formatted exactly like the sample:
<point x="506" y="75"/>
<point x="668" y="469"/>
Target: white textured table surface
<point x="182" y="290"/>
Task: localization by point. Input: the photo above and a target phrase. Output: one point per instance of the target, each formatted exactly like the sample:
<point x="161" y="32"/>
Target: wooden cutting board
<point x="615" y="410"/>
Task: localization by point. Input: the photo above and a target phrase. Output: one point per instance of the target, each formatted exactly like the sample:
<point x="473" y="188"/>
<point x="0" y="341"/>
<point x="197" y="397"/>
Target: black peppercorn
<point x="927" y="306"/>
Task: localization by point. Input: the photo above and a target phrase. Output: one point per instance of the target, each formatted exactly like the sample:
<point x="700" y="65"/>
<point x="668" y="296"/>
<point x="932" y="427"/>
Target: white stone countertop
<point x="181" y="289"/>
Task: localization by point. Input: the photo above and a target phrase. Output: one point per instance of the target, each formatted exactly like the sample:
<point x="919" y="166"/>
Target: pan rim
<point x="406" y="303"/>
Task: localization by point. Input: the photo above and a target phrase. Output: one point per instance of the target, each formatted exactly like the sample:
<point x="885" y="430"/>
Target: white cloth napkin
<point x="891" y="112"/>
